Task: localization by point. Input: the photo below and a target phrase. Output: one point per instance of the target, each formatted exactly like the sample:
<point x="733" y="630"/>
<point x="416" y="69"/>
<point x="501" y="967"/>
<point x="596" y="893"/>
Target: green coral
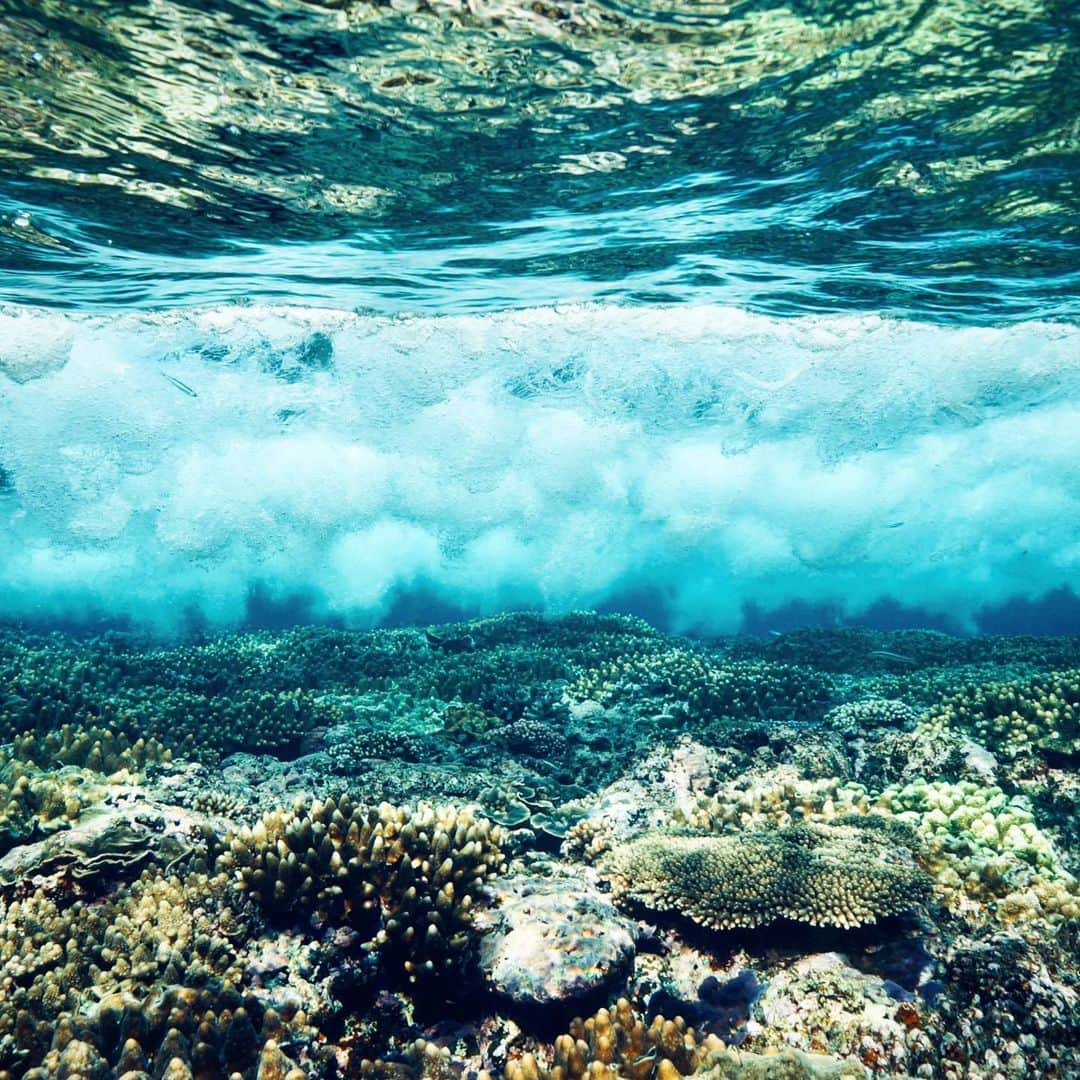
<point x="1017" y="717"/>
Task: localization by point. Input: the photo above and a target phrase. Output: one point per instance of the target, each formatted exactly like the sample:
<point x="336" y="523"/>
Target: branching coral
<point x="986" y="845"/>
<point x="56" y="957"/>
<point x="694" y="683"/>
<point x="419" y="871"/>
<point x="1020" y="717"/>
<point x="617" y="1044"/>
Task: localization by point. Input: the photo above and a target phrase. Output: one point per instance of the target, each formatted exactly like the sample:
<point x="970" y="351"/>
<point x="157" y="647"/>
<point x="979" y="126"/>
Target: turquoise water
<point x="539" y="540"/>
<point x="737" y="315"/>
<point x="919" y="161"/>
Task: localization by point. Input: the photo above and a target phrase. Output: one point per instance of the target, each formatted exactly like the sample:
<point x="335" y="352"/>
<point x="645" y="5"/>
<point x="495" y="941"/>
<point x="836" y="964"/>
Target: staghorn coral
<point x="419" y="871"/>
<point x="820" y="875"/>
<point x="132" y="692"/>
<point x="859" y="649"/>
<point x="266" y="692"/>
<point x="348" y="748"/>
<point x="536" y="738"/>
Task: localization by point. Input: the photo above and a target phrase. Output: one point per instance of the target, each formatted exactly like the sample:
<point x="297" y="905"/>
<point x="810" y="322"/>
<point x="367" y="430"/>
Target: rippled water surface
<point x="917" y="158"/>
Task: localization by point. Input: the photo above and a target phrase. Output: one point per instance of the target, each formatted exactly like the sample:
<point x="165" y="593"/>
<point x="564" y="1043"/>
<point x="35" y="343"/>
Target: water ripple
<point x="918" y="158"/>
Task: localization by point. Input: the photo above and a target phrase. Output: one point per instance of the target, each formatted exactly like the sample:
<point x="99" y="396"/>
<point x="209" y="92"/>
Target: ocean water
<point x="733" y="317"/>
<point x="730" y="316"/>
<point x="521" y="520"/>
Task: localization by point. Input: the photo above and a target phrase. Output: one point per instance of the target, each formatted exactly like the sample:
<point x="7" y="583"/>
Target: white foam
<point x="556" y="457"/>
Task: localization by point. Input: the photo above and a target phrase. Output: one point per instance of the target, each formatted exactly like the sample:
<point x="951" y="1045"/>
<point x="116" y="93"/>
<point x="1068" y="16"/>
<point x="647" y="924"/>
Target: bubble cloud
<point x="152" y="466"/>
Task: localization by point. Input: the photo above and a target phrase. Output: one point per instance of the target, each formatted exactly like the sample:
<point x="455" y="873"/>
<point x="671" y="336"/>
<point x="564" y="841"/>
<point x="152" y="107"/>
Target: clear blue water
<point x="735" y="315"/>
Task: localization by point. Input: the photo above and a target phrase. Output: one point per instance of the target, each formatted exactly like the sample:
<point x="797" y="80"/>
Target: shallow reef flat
<point x="539" y="849"/>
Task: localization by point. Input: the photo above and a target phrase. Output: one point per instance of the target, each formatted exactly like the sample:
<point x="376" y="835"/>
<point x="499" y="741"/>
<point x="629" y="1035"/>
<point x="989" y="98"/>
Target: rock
<point x="788" y="1064"/>
<point x="552" y="940"/>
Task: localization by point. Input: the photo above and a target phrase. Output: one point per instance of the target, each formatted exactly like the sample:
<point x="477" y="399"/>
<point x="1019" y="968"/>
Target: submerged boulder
<point x="552" y="940"/>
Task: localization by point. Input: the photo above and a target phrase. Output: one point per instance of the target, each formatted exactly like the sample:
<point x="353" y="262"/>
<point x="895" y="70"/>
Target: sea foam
<point x="163" y="466"/>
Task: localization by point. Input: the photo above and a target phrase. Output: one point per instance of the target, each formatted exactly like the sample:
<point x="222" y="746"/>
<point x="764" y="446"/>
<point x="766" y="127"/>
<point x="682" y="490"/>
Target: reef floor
<point x="539" y="849"/>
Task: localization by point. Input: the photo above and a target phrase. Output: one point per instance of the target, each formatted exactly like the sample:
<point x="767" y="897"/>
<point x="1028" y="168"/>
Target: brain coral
<point x="821" y="875"/>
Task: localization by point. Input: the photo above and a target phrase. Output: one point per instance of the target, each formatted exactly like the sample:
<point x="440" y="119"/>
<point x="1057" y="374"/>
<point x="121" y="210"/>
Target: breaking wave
<point x="167" y="468"/>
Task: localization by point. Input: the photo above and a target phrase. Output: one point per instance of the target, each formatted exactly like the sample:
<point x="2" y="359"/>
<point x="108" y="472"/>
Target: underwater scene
<point x="539" y="539"/>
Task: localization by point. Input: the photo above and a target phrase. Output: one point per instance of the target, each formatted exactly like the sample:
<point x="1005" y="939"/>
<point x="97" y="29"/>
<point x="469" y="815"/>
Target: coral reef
<point x="688" y="682"/>
<point x="418" y="870"/>
<point x="1028" y="721"/>
<point x="417" y="853"/>
<point x="857" y="717"/>
<point x="618" y="1041"/>
<point x="159" y="932"/>
<point x="982" y="844"/>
